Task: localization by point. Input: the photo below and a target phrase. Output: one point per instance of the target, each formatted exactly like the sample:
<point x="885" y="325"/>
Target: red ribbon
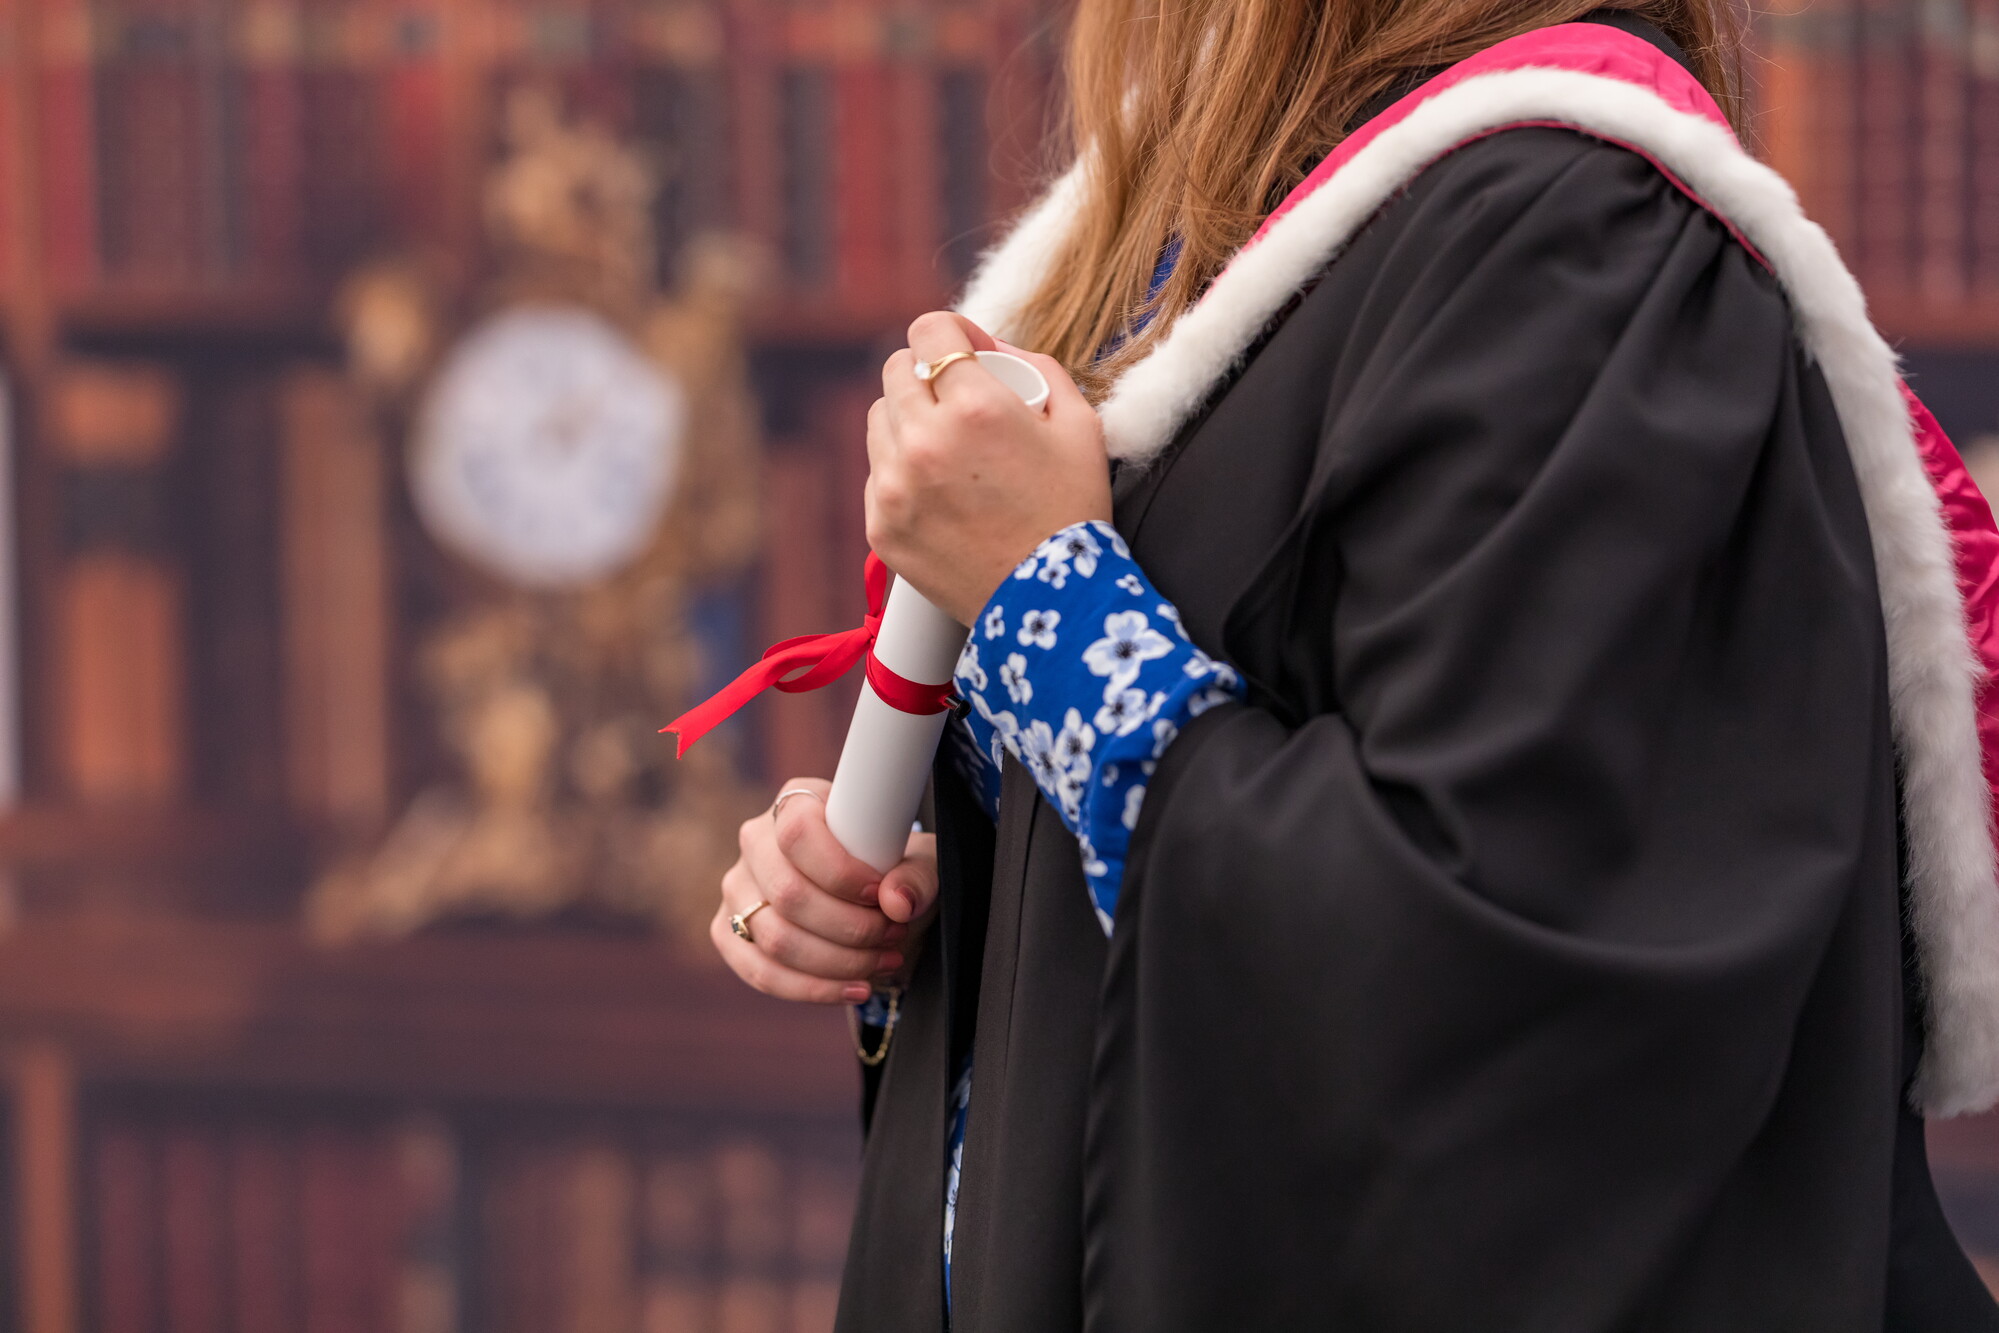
<point x="812" y="662"/>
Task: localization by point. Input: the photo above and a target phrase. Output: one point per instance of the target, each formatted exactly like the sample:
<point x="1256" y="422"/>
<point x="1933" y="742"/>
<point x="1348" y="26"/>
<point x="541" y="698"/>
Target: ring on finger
<point x="739" y="924"/>
<point x="790" y="792"/>
<point x="927" y="371"/>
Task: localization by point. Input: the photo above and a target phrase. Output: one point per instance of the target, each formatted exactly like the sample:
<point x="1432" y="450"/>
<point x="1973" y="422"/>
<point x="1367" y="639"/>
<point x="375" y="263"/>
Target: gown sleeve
<point x="1452" y="999"/>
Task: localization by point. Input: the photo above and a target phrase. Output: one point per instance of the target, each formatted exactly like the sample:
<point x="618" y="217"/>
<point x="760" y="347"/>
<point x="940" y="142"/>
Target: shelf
<point x="614" y="1022"/>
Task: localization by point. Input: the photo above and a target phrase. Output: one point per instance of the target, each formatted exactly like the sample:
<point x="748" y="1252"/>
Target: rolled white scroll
<point x="886" y="760"/>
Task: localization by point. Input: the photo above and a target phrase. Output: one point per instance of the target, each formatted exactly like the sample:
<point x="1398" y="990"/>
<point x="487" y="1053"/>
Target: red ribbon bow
<point x="813" y="661"/>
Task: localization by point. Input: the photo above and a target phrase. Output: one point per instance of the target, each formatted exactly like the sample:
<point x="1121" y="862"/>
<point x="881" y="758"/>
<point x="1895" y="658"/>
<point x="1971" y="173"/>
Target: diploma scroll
<point x="886" y="760"/>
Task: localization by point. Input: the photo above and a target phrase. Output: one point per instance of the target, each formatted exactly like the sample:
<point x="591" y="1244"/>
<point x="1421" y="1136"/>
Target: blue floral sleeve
<point x="1080" y="669"/>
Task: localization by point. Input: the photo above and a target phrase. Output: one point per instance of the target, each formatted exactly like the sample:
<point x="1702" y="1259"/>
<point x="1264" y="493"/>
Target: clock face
<point x="547" y="447"/>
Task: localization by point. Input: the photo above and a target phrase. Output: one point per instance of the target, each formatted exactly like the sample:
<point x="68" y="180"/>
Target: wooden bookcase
<point x="214" y="1122"/>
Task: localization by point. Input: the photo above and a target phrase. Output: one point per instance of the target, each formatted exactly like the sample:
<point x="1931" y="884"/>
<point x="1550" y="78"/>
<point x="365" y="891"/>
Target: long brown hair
<point x="1198" y="115"/>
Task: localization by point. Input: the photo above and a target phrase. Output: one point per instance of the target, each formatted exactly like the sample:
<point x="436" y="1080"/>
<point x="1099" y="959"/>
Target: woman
<point x="1431" y="838"/>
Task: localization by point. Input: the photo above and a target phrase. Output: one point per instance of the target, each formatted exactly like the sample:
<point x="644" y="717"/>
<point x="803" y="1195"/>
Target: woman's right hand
<point x="834" y="925"/>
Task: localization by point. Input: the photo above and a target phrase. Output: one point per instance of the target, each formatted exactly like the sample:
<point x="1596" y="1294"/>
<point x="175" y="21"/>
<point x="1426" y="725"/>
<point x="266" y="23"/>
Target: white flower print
<point x="1013" y="675"/>
<point x="1073" y="746"/>
<point x="1132" y="800"/>
<point x="1129" y="641"/>
<point x="1206" y="699"/>
<point x="1005" y="726"/>
<point x="969" y="669"/>
<point x="1110" y="534"/>
<point x="1025" y="569"/>
<point x="1164" y="733"/>
<point x="1037" y="628"/>
<point x="1170" y="612"/>
<point x="1093" y="866"/>
<point x="1035" y="744"/>
<point x="1069" y="795"/>
<point x="1132" y="584"/>
<point x="1110" y="775"/>
<point x="1124" y="711"/>
<point x="995" y="622"/>
<point x="1072" y="547"/>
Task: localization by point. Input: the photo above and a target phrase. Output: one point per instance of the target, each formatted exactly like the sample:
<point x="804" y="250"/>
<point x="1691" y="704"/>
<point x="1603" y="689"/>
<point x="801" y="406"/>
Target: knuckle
<point x="978" y="412"/>
<point x="776" y="937"/>
<point x="891" y="497"/>
<point x="786" y="891"/>
<point x="930" y="321"/>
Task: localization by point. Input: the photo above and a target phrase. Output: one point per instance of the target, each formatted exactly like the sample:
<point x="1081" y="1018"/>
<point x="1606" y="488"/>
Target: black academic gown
<point x="1526" y="954"/>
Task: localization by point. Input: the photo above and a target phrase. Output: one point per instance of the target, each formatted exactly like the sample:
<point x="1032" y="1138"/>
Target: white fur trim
<point x="1007" y="274"/>
<point x="1933" y="674"/>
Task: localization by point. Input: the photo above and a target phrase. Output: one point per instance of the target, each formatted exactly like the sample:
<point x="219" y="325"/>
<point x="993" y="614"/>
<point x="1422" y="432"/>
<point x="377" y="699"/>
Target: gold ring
<point x="784" y="796"/>
<point x="928" y="371"/>
<point x="739" y="924"/>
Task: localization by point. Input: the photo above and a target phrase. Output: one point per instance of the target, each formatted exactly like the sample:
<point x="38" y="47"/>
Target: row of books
<point x="1885" y="114"/>
<point x="272" y="1219"/>
<point x="209" y="147"/>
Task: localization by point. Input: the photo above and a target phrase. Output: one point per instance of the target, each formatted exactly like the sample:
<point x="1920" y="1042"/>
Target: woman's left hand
<point x="965" y="482"/>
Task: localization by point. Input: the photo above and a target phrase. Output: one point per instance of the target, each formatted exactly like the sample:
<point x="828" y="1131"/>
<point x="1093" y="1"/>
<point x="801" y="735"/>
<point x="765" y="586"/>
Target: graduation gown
<point x="1528" y="951"/>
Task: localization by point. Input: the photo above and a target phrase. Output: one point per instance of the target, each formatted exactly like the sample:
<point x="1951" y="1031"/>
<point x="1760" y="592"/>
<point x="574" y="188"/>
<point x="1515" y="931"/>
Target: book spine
<point x="413" y="96"/>
<point x="915" y="171"/>
<point x="271" y="131"/>
<point x="151" y="121"/>
<point x="263" y="1222"/>
<point x="1888" y="149"/>
<point x="1984" y="132"/>
<point x="1944" y="198"/>
<point x="822" y="1211"/>
<point x="754" y="37"/>
<point x="192" y="1228"/>
<point x="336" y="604"/>
<point x="864" y="187"/>
<point x="349" y="1243"/>
<point x="120" y="598"/>
<point x="125" y="1277"/>
<point x="677" y="1227"/>
<point x="751" y="1196"/>
<point x="14" y="85"/>
<point x="68" y="148"/>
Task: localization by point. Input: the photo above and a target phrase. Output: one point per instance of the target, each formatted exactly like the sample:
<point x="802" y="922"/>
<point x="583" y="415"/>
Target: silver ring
<point x="790" y="792"/>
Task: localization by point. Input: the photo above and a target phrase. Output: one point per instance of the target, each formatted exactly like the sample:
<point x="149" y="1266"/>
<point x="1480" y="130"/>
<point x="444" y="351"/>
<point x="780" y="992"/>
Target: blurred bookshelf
<point x="216" y="1121"/>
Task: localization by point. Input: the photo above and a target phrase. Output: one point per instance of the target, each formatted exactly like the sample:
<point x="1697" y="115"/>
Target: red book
<point x="1984" y="130"/>
<point x="68" y="133"/>
<point x="413" y="100"/>
<point x="350" y="1243"/>
<point x="1889" y="178"/>
<point x="193" y="1230"/>
<point x="125" y="1277"/>
<point x="11" y="86"/>
<point x="150" y="126"/>
<point x="864" y="187"/>
<point x="263" y="1222"/>
<point x="272" y="129"/>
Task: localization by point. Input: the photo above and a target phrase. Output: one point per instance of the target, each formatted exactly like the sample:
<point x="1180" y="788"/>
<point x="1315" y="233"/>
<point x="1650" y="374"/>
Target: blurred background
<point x="406" y="407"/>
